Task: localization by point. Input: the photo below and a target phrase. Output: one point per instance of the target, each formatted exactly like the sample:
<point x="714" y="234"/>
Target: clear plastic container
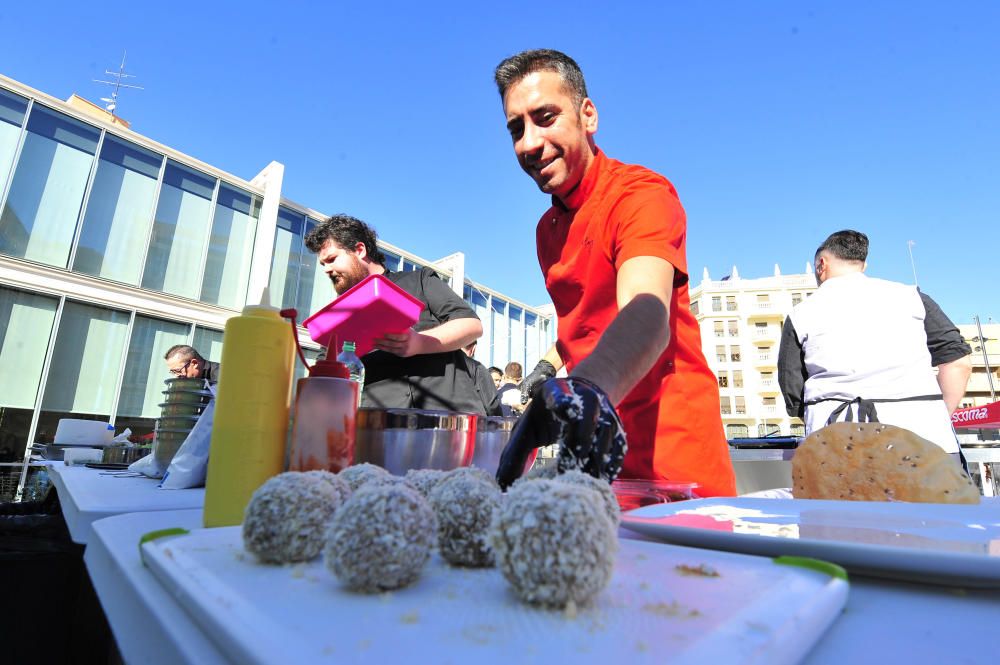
<point x="633" y="493"/>
<point x="369" y="309"/>
<point x="355" y="368"/>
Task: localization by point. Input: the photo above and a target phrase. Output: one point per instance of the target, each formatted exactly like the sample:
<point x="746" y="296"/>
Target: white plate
<point x="754" y="611"/>
<point x="944" y="544"/>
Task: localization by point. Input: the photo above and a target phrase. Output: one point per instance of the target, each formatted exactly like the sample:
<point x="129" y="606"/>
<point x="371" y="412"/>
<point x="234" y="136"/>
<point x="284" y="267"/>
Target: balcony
<point x="769" y="410"/>
<point x="730" y="307"/>
<point x="765" y="310"/>
<point x="769" y="386"/>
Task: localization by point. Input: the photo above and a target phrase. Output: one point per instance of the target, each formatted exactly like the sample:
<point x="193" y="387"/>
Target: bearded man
<point x="420" y="368"/>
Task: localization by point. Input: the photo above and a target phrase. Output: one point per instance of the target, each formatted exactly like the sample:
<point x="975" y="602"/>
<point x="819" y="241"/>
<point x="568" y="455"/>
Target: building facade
<point x="114" y="248"/>
<point x="740" y="321"/>
<point x="984" y="382"/>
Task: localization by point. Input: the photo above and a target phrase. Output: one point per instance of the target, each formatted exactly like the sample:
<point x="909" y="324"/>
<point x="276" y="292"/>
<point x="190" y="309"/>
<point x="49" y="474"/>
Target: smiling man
<point x="612" y="251"/>
<point x="419" y="368"/>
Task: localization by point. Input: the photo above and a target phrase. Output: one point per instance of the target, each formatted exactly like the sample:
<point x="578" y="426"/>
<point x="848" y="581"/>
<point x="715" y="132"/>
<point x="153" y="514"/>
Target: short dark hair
<point x="347" y="232"/>
<point x="846" y="245"/>
<point x="516" y="67"/>
<point x="513" y="370"/>
<point x="185" y="351"/>
<point x="496" y="370"/>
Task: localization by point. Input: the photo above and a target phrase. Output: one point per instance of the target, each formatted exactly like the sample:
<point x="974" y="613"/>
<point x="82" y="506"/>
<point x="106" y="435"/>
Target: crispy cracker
<point x="877" y="462"/>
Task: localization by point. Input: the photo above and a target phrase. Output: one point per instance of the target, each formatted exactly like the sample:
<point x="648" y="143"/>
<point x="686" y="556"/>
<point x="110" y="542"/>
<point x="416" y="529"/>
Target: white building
<point x="740" y="321"/>
<point x="114" y="247"/>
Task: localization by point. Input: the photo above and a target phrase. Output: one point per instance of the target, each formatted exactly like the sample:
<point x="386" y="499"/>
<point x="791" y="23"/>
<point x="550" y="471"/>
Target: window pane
<point x="145" y="369"/>
<point x="230" y="247"/>
<point x="410" y="265"/>
<point x="315" y="288"/>
<point x="86" y="362"/>
<point x="25" y="326"/>
<point x="531" y="352"/>
<point x="180" y="231"/>
<point x="285" y="259"/>
<point x="516" y="335"/>
<point x="39" y="217"/>
<point x="12" y="110"/>
<point x="119" y="211"/>
<point x="500" y="327"/>
<point x="208" y="342"/>
<point x="392" y="260"/>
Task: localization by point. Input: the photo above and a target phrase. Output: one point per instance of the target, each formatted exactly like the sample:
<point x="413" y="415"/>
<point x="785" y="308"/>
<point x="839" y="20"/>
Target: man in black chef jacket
<point x="420" y="368"/>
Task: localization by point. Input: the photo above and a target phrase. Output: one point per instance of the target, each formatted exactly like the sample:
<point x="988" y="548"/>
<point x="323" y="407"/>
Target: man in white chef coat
<point x="864" y="349"/>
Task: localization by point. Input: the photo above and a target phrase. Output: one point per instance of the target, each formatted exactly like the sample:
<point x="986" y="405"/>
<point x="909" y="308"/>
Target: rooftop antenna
<point x="909" y="247"/>
<point x="112" y="101"/>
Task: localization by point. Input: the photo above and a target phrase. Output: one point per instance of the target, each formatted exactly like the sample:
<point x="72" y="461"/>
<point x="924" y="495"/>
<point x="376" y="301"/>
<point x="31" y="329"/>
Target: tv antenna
<point x="112" y="101"/>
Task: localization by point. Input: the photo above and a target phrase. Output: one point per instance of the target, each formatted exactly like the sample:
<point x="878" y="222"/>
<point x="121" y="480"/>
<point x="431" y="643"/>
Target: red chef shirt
<point x="671" y="417"/>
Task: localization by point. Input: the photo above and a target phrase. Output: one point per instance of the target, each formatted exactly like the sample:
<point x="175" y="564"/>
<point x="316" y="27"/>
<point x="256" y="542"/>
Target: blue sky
<point x="778" y="122"/>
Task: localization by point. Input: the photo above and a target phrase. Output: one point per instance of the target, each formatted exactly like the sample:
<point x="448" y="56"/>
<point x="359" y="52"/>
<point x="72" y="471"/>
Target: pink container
<point x="369" y="309"/>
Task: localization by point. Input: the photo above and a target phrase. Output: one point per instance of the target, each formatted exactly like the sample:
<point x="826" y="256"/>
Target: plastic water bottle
<point x="354" y="366"/>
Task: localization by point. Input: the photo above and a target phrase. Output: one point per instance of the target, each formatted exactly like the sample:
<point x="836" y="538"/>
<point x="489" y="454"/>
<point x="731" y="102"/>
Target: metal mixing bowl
<point x="185" y="383"/>
<point x="402" y="439"/>
<point x="187" y="396"/>
<point x="492" y="435"/>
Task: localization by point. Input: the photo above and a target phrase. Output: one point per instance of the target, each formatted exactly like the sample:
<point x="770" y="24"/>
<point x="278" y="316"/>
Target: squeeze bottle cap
<point x="265" y="303"/>
<point x="348" y="346"/>
<point x="330" y="368"/>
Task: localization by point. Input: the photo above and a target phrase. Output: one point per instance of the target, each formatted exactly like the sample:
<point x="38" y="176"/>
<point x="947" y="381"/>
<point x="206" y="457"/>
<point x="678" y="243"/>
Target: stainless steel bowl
<point x="492" y="435"/>
<point x="168" y="409"/>
<point x="187" y="396"/>
<point x="165" y="446"/>
<point x="402" y="439"/>
<point x="185" y="384"/>
<point x="177" y="422"/>
<point x="121" y="454"/>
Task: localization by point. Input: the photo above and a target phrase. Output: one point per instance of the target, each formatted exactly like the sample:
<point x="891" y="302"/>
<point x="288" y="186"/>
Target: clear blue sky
<point x="778" y="122"/>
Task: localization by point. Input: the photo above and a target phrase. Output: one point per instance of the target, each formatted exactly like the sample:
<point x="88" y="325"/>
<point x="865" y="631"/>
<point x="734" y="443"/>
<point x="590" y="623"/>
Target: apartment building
<point x="984" y="383"/>
<point x="740" y="322"/>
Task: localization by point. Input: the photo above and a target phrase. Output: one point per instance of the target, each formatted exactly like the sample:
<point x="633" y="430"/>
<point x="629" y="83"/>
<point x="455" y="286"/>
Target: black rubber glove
<point x="543" y="371"/>
<point x="578" y="415"/>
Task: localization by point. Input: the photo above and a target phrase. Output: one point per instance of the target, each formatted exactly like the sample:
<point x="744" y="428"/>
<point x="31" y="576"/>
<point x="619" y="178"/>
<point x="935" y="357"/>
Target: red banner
<point x="977" y="416"/>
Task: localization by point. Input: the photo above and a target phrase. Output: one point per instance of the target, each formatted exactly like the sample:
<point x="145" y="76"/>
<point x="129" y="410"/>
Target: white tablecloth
<point x="87" y="495"/>
<point x="883" y="622"/>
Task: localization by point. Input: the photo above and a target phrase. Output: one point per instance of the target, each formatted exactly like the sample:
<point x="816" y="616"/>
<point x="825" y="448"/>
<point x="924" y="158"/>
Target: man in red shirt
<point x="612" y="250"/>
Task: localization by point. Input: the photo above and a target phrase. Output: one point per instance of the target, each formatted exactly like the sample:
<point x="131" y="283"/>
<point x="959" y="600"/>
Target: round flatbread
<point x="877" y="462"/>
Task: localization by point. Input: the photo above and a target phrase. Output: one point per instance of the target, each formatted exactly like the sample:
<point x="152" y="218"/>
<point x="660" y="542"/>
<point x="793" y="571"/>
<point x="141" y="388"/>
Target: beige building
<point x="983" y="384"/>
<point x="740" y="322"/>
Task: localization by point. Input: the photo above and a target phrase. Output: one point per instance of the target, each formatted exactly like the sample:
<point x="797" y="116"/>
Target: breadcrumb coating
<point x="359" y="474"/>
<point x="286" y="518"/>
<point x="602" y="487"/>
<point x="464" y="506"/>
<point x="381" y="538"/>
<point x="554" y="543"/>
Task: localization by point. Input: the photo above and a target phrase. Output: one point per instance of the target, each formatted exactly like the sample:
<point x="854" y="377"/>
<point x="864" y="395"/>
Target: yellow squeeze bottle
<point x="251" y="411"/>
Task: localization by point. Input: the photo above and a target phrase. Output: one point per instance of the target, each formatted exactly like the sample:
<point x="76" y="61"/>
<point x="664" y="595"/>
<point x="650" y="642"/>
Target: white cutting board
<point x="754" y="611"/>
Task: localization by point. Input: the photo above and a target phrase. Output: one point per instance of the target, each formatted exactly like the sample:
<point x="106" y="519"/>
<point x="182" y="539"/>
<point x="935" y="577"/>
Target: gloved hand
<point x="578" y="415"/>
<point x="543" y="371"/>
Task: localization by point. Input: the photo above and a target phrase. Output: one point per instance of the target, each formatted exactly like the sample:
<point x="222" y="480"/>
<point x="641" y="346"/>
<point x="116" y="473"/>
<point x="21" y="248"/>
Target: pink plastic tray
<point x="369" y="309"/>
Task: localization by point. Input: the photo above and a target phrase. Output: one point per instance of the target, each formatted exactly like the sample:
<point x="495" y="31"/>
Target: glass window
<point x="798" y="430"/>
<point x="720" y="354"/>
<point x="716" y="303"/>
<point x="768" y="429"/>
<point x="725" y="404"/>
<point x="741" y="407"/>
<point x="730" y="303"/>
<point x="180" y="231"/>
<point x="25" y="328"/>
<point x="230" y="248"/>
<point x="734" y="329"/>
<point x="12" y="110"/>
<point x="119" y="212"/>
<point x="39" y="217"/>
<point x="86" y="362"/>
<point x="392" y="260"/>
<point x="500" y="344"/>
<point x="531" y="345"/>
<point x="145" y="371"/>
<point x="516" y="335"/>
<point x="723" y="379"/>
<point x="796" y="299"/>
<point x="734" y="354"/>
<point x="410" y="265"/>
<point x="738" y="378"/>
<point x="286" y="257"/>
<point x="694" y="308"/>
<point x="717" y="325"/>
<point x="315" y="289"/>
<point x="208" y="342"/>
<point x="480" y="305"/>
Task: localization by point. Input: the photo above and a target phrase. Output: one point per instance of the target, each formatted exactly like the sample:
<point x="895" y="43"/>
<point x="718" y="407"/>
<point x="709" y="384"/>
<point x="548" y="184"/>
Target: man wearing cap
<point x="612" y="251"/>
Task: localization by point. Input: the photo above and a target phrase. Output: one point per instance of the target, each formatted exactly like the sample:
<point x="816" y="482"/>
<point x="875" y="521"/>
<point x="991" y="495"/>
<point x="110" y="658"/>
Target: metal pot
<point x="185" y="383"/>
<point x="492" y="435"/>
<point x="187" y="396"/>
<point x="180" y="409"/>
<point x="176" y="422"/>
<point x="166" y="444"/>
<point x="403" y="439"/>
